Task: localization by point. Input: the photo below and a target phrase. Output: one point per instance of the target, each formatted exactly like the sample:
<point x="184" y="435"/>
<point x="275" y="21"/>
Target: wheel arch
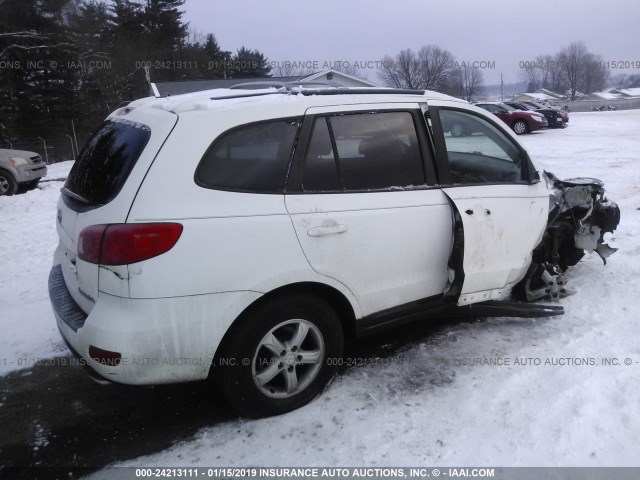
<point x="335" y="298"/>
<point x="6" y="170"/>
<point x="12" y="178"/>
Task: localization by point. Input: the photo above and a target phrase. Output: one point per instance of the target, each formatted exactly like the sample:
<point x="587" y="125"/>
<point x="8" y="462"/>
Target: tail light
<point x="105" y="357"/>
<point x="125" y="243"/>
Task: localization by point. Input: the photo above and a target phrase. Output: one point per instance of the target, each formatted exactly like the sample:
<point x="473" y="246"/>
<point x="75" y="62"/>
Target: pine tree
<point x="249" y="63"/>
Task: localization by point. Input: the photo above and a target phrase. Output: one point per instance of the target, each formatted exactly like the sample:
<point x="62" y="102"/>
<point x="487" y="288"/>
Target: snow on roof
<point x="231" y="98"/>
<point x="540" y="96"/>
<point x="630" y="92"/>
<point x="605" y="95"/>
<point x="549" y="93"/>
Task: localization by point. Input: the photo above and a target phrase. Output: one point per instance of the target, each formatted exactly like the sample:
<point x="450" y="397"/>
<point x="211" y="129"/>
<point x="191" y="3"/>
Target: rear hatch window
<point x="104" y="164"/>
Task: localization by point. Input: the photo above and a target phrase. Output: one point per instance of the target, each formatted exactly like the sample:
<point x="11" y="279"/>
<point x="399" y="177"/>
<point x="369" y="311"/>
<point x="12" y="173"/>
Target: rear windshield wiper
<point x="79" y="198"/>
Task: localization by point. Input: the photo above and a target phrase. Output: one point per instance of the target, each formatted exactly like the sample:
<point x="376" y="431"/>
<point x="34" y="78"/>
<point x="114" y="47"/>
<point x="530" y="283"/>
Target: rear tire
<point x="457" y="130"/>
<point x="280" y="356"/>
<point x="8" y="185"/>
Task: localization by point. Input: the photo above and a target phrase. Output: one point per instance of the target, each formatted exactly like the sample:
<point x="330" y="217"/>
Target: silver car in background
<point x="20" y="169"/>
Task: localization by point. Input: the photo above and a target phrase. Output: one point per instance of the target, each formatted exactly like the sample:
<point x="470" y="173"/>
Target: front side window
<point x="363" y="151"/>
<point x="478" y="152"/>
<point x="250" y="158"/>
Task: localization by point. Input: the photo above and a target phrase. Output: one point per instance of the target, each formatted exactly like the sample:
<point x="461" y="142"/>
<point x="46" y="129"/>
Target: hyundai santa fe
<point x="246" y="236"/>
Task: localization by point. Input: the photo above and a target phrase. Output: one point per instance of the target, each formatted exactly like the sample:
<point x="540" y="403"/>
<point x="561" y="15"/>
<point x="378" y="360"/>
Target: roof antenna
<point x="154" y="88"/>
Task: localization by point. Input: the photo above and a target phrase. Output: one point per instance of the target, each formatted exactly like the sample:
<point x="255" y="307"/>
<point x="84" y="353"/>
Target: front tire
<point x="30" y="185"/>
<point x="520" y="127"/>
<point x="280" y="356"/>
<point x="8" y="185"/>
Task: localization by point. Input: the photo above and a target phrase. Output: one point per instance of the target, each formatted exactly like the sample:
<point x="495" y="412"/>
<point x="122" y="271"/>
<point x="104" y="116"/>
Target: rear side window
<point x="105" y="162"/>
<point x="252" y="158"/>
<point x="363" y="151"/>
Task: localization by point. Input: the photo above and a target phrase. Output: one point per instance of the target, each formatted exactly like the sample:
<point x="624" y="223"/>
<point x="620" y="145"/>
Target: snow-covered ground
<point x="426" y="405"/>
<point x="27" y="241"/>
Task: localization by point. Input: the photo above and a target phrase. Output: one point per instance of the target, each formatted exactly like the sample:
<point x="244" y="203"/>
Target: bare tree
<point x="428" y="69"/>
<point x="435" y="66"/>
<point x="465" y="82"/>
<point x="544" y="71"/>
<point x="595" y="75"/>
<point x="401" y="71"/>
<point x="624" y="80"/>
<point x="573" y="61"/>
<point x="285" y="69"/>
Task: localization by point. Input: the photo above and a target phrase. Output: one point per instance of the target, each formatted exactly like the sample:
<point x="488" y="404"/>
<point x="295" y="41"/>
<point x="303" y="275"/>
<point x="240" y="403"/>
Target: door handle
<point x="326" y="230"/>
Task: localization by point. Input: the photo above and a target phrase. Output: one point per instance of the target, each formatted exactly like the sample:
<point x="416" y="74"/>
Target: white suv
<point x="246" y="235"/>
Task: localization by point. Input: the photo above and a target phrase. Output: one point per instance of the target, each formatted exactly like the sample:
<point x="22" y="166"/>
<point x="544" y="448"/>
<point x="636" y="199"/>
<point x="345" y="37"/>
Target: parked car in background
<point x="555" y="118"/>
<point x="544" y="103"/>
<point x="294" y="222"/>
<point x="20" y="169"/>
<point x="519" y="121"/>
<point x="539" y="106"/>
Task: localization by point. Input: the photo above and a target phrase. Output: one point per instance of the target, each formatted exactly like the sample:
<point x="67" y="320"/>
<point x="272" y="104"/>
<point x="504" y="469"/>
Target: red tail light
<point x="125" y="243"/>
<point x="105" y="357"/>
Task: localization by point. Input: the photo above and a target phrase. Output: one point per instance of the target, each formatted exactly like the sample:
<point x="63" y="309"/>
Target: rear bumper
<point x="163" y="340"/>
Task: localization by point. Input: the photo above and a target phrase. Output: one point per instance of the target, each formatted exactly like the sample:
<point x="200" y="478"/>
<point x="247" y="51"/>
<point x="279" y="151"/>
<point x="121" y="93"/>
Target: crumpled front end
<point x="579" y="217"/>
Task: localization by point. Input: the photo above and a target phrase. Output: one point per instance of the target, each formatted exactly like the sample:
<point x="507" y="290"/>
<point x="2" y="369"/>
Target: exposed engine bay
<point x="579" y="216"/>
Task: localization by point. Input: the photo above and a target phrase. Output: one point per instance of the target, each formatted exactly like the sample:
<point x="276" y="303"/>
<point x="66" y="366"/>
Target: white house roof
<point x="630" y="92"/>
<point x="549" y="93"/>
<point x="539" y="96"/>
<point x="334" y="73"/>
<point x="604" y="95"/>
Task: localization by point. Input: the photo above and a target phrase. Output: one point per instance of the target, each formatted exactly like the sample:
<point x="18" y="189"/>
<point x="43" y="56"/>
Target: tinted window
<point x="320" y="173"/>
<point x="105" y="162"/>
<point x="478" y="151"/>
<point x="373" y="151"/>
<point x="250" y="158"/>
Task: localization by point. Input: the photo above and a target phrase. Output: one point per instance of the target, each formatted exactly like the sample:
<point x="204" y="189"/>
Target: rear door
<point x="100" y="189"/>
<point x="502" y="205"/>
<point x="362" y="200"/>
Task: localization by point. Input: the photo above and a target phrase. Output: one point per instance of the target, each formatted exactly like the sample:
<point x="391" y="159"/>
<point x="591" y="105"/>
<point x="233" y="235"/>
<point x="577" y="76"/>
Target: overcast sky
<point x="503" y="31"/>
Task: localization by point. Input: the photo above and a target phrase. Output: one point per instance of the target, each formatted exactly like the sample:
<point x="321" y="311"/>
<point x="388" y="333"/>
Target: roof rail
<point x="258" y="85"/>
<point x="248" y="93"/>
<point x="245" y="92"/>
<point x="280" y="84"/>
<point x="359" y="91"/>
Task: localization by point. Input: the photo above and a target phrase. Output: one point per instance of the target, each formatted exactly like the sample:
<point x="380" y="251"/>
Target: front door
<point x="503" y="212"/>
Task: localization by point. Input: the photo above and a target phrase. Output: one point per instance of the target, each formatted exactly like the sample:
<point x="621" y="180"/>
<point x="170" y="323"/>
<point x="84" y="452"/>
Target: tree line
<point x="432" y="68"/>
<point x="66" y="64"/>
<point x="78" y="60"/>
<point x="574" y="70"/>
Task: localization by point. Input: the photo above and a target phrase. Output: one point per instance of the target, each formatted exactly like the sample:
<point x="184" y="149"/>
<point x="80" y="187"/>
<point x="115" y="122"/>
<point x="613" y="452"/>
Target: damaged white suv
<point x="246" y="235"/>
